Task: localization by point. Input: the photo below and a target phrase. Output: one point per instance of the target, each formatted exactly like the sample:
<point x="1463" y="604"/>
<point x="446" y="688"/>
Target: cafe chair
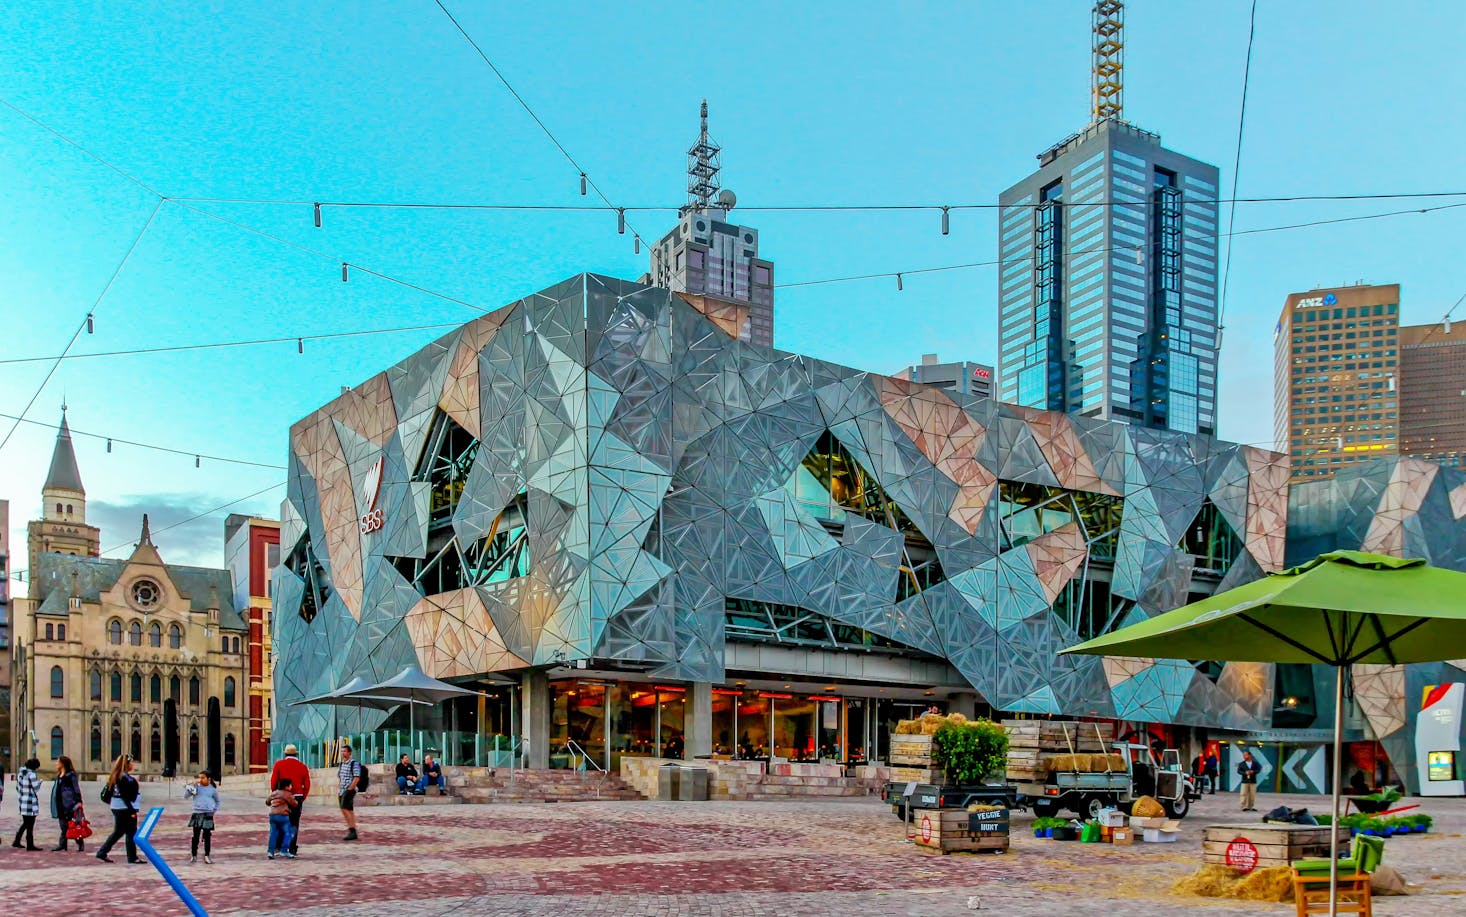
<point x="1311" y="879"/>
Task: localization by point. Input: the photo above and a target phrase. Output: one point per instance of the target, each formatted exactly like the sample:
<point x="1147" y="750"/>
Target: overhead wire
<point x="1236" y="172"/>
<point x="189" y="453"/>
<point x="85" y="324"/>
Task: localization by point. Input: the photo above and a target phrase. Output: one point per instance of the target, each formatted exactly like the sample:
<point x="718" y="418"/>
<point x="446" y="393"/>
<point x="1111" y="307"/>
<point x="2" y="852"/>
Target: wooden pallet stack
<point x="911" y="759"/>
<point x="1030" y="742"/>
<point x="951" y="831"/>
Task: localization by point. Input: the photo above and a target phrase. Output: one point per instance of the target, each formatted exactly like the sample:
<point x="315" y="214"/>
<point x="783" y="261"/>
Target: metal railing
<point x="385" y="746"/>
<point x="573" y="747"/>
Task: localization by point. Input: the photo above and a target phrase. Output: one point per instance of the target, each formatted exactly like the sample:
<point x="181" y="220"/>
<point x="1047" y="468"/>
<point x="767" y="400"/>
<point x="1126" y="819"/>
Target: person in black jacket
<point x="122" y="794"/>
<point x="66" y="799"/>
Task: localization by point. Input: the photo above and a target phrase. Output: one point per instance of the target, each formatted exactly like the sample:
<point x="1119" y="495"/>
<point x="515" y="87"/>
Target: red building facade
<point x="252" y="549"/>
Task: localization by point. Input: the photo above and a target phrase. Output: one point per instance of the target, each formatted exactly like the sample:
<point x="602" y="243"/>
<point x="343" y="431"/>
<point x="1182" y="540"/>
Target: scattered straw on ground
<point x="1274" y="883"/>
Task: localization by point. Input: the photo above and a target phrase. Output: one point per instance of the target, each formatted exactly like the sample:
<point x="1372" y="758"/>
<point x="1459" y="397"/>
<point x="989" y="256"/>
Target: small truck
<point x="1086" y="792"/>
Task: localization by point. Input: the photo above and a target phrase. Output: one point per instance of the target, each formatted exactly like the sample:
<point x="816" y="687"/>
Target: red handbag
<point x="79" y="828"/>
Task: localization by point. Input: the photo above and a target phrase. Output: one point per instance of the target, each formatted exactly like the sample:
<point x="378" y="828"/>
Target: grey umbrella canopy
<point x="354" y="694"/>
<point x="411" y="686"/>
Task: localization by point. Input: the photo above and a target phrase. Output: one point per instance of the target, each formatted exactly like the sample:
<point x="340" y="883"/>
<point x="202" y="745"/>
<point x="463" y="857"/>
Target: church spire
<point x="64" y="474"/>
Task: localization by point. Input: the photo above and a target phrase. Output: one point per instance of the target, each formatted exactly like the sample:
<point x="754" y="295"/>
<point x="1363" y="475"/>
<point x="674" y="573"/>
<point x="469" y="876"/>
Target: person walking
<point x="28" y="796"/>
<point x="349" y="776"/>
<point x="281" y="800"/>
<point x="205" y="806"/>
<point x="66" y="800"/>
<point x="1213" y="771"/>
<point x="293" y="769"/>
<point x="121" y="793"/>
<point x="1248" y="770"/>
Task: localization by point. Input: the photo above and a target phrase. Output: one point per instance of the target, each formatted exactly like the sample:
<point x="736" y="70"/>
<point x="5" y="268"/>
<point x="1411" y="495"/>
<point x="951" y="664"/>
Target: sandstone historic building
<point x="115" y="656"/>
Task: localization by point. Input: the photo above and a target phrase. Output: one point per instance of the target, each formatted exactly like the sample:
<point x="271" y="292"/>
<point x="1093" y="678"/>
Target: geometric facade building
<point x="597" y="481"/>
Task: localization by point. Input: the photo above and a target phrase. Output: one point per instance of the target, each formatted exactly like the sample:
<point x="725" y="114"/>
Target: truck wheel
<point x="1093" y="804"/>
<point x="1044" y="809"/>
<point x="1177" y="808"/>
<point x="900" y="812"/>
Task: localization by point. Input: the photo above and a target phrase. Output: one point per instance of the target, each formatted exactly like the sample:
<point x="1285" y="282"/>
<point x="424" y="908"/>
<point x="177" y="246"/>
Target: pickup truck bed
<point x="948" y="796"/>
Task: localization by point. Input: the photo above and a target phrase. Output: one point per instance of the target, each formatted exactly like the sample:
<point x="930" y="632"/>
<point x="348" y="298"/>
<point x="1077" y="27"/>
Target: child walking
<point x="280" y="802"/>
<point x="205" y="805"/>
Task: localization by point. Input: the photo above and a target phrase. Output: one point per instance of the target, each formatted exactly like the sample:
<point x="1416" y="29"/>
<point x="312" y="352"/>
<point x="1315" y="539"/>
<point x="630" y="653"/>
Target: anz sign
<point x="1313" y="302"/>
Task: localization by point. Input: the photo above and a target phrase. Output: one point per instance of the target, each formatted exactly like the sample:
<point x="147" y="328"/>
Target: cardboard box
<point x="1165" y="834"/>
<point x="1122" y="836"/>
<point x="1142" y="823"/>
<point x="1112" y="818"/>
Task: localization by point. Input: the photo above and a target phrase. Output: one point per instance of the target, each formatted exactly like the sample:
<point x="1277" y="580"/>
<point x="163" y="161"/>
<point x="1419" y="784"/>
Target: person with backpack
<point x="205" y="798"/>
<point x="28" y="795"/>
<point x="354" y="778"/>
<point x="293" y="769"/>
<point x="66" y="802"/>
<point x="121" y="793"/>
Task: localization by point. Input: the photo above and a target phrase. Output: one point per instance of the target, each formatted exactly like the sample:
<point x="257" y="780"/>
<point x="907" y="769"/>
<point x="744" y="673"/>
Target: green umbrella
<point x="1338" y="609"/>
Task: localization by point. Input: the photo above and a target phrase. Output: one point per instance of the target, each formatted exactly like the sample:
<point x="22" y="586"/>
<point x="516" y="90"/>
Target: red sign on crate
<point x="1242" y="855"/>
<point x="926" y="829"/>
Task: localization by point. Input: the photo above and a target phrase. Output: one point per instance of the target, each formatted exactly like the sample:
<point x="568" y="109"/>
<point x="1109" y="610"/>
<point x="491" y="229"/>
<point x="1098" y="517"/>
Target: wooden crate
<point x="1277" y="845"/>
<point x="920" y="774"/>
<point x="910" y="751"/>
<point x="946" y="830"/>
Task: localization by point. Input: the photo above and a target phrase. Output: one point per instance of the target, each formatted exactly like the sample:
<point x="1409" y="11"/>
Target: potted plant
<point x="1423" y="823"/>
<point x="970" y="752"/>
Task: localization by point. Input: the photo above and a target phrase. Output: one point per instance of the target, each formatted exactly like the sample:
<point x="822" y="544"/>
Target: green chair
<point x="1368" y="852"/>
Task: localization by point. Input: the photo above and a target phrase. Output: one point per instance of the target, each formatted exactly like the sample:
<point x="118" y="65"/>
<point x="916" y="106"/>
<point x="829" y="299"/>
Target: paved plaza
<point x="719" y="859"/>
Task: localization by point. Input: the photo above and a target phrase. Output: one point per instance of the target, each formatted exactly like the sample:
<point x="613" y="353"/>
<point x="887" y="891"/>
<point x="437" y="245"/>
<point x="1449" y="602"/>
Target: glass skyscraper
<point x="1107" y="286"/>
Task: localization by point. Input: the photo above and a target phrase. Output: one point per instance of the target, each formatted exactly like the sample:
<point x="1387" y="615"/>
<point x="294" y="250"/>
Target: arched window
<point x="58" y="682"/>
<point x="229" y="749"/>
<point x="95" y="684"/>
<point x="58" y="509"/>
<point x="135" y="689"/>
<point x="50" y="632"/>
<point x="193" y="691"/>
<point x="155" y="745"/>
<point x="96" y="744"/>
<point x="58" y="743"/>
<point x="229" y="691"/>
<point x="136" y="745"/>
<point x="223" y="644"/>
<point x="193" y="743"/>
<point x="175" y="636"/>
<point x="155" y="634"/>
<point x="116" y="741"/>
<point x="175" y="688"/>
<point x="114" y="632"/>
<point x="60" y="631"/>
<point x="155" y="689"/>
<point x="68" y="509"/>
<point x="116" y="686"/>
<point x="235" y="643"/>
<point x="135" y="633"/>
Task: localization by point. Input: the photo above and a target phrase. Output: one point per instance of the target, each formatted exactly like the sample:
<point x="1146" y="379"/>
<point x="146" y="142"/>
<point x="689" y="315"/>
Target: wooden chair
<point x="1311" y="880"/>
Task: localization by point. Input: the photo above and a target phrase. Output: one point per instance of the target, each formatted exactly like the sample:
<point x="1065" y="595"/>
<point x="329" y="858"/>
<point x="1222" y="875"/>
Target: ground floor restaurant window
<point x="594" y="723"/>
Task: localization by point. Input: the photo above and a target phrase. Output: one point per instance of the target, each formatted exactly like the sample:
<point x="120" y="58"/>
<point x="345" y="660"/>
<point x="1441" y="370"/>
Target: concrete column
<point x="963" y="703"/>
<point x="535" y="719"/>
<point x="698" y="727"/>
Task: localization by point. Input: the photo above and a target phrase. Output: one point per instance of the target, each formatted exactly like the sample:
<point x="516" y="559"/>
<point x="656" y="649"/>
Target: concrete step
<point x="397" y="799"/>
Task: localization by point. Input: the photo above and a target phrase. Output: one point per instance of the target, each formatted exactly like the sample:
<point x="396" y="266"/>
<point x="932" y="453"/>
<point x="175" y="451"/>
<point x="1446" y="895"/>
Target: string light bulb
<point x="198" y="461"/>
<point x="109" y="444"/>
<point x="344" y="276"/>
<point x="318" y="215"/>
<point x="899" y="286"/>
<point x="946" y="221"/>
<point x="300" y="345"/>
<point x="90" y="325"/>
<point x="582" y="184"/>
<point x="621" y="220"/>
<point x="637" y="244"/>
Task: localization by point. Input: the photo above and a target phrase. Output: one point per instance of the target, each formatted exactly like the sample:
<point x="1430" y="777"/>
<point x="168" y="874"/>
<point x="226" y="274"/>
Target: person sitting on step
<point x="407" y="783"/>
<point x="432" y="775"/>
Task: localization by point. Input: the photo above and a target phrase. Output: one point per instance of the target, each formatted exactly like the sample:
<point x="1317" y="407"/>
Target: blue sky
<point x="813" y="103"/>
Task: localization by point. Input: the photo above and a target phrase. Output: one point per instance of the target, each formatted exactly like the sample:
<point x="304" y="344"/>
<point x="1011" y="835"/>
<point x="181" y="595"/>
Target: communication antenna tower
<point x="1107" y="73"/>
<point x="702" y="167"/>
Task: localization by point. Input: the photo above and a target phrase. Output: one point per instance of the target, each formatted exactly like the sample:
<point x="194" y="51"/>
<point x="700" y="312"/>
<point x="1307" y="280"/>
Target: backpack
<point x="107" y="792"/>
<point x="363" y="777"/>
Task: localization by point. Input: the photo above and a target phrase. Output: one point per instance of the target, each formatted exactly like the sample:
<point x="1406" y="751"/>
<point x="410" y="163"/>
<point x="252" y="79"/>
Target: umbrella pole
<point x="1338" y="775"/>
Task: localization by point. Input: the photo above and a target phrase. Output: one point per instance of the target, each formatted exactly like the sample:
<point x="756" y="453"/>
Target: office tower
<point x="712" y="261"/>
<point x="1107" y="284"/>
<point x="1335" y="359"/>
<point x="1432" y="388"/>
<point x="964" y="376"/>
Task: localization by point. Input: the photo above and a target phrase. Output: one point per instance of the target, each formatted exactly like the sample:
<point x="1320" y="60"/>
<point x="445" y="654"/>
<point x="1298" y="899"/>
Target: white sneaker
<point x="208" y="859"/>
<point x="192" y="860"/>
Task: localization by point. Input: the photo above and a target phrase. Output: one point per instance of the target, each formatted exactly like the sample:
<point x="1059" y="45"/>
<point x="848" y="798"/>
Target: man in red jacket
<point x="291" y="768"/>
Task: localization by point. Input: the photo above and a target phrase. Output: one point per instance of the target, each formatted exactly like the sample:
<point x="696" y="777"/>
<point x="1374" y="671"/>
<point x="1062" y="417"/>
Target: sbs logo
<point x="373" y="519"/>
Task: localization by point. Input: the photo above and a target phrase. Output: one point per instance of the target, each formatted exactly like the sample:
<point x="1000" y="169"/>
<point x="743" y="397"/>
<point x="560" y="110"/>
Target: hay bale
<point x="1112" y="761"/>
<point x="931" y="722"/>
<point x="1275" y="883"/>
<point x="1147" y="807"/>
<point x="956" y="719"/>
<point x="908" y="728"/>
<point x="1210" y="881"/>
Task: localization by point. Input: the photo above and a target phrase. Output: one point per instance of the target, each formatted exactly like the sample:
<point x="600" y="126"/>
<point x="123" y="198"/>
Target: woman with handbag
<point x="66" y="804"/>
<point x="205" y="804"/>
<point x="121" y="794"/>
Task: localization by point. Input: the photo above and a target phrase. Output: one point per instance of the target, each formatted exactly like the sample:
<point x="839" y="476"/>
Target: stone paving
<point x="647" y="859"/>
